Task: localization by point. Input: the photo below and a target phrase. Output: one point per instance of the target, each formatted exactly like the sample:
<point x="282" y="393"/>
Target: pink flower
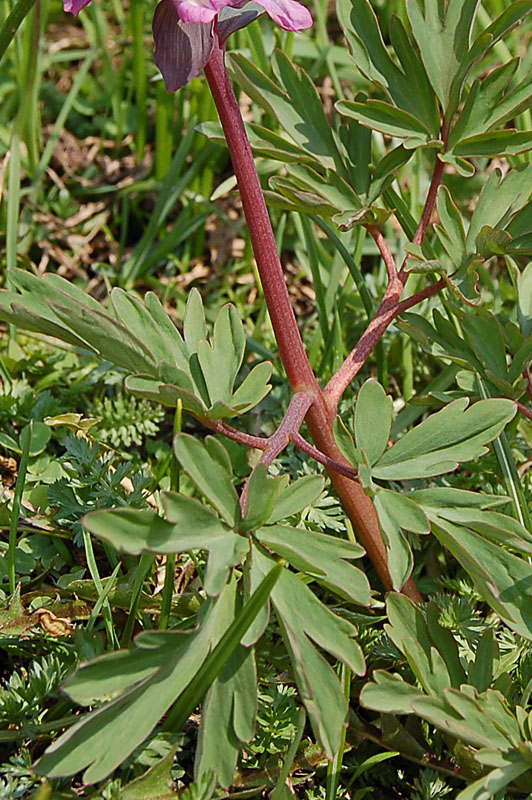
<point x="75" y="6"/>
<point x="288" y="14"/>
<point x="184" y="30"/>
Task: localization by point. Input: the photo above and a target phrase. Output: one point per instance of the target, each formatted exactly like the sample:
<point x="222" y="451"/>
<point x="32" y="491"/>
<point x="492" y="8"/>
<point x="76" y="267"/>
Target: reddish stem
<point x="527" y="412"/>
<point x="317" y="455"/>
<point x="384" y="250"/>
<point x="284" y="323"/>
<point x="416" y="298"/>
<point x="258" y="442"/>
<point x="528" y="377"/>
<point x="320" y="415"/>
<point x="428" y="208"/>
<point x="390" y="306"/>
<point x="366" y="344"/>
<point x="291" y="423"/>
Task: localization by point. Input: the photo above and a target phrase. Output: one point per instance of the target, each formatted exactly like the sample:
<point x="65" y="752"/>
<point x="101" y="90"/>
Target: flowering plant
<point x="391" y="495"/>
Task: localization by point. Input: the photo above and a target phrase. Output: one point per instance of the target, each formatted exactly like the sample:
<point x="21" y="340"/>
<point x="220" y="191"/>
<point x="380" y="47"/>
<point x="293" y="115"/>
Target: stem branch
<point x="320" y="414"/>
<point x="390" y="306"/>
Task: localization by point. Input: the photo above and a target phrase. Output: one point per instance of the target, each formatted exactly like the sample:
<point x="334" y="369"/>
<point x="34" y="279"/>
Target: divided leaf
<point x="445" y="439"/>
<point x="141" y="339"/>
<point x="305" y="621"/>
<point x="324" y="557"/>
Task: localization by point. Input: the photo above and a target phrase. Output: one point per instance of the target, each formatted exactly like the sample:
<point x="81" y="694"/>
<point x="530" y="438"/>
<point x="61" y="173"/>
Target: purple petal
<point x="199" y="11"/>
<point x="181" y="50"/>
<point x="74" y="6"/>
<point x="288" y="14"/>
<point x="232" y="19"/>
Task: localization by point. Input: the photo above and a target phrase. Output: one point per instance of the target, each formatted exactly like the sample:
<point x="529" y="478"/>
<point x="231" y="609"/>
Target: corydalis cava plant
<point x="184" y="30"/>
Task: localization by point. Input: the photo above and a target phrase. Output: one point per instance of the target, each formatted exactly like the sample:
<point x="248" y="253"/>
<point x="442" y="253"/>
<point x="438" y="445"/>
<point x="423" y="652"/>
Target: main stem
<point x="320" y="417"/>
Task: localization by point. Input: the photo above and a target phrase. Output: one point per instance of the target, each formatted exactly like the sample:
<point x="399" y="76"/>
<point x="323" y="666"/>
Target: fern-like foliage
<point x="93" y="481"/>
<point x="126" y="419"/>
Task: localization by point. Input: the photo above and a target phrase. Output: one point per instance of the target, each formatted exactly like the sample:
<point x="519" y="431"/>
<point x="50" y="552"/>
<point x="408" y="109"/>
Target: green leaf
<point x="381" y="116"/>
<point x="135" y="316"/>
<point x="451" y="232"/>
<point x="501" y="578"/>
<point x="264" y="142"/>
<point x="300" y="114"/>
<point x="96" y="743"/>
<point x="442" y="33"/>
<point x="407" y="85"/>
<point x="168" y="393"/>
<point x="496" y="527"/>
<point x="227" y="717"/>
<point x="390" y="694"/>
<point x="194" y="326"/>
<point x="156" y="783"/>
<point x="321" y="556"/>
<point x="485" y="336"/>
<point x="488" y="104"/>
<point x="143" y="340"/>
<point x="507" y="142"/>
<point x="303" y="184"/>
<point x="304" y="618"/>
<point x="524" y="309"/>
<point x="373" y="420"/>
<point x="386" y="170"/>
<point x="500" y="197"/>
<point x="430" y="650"/>
<point x="296" y="496"/>
<point x="221" y="362"/>
<point x="210" y="472"/>
<point x="263" y="491"/>
<point x="190" y="526"/>
<point x="225" y="647"/>
<point x="490" y="785"/>
<point x="445" y="439"/>
<point x="482" y="670"/>
<point x="491" y="242"/>
<point x="483" y="721"/>
<point x="397" y="512"/>
<point x="253" y="388"/>
<point x="447" y="497"/>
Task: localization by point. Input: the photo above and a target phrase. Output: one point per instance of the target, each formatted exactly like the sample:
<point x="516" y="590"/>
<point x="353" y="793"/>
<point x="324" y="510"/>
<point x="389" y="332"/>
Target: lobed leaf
<point x="445" y="439"/>
<point x="321" y="556"/>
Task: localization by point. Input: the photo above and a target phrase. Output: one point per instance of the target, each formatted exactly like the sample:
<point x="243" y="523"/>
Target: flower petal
<point x="234" y="18"/>
<point x="198" y="11"/>
<point x="74" y="6"/>
<point x="181" y="49"/>
<point x="288" y="14"/>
